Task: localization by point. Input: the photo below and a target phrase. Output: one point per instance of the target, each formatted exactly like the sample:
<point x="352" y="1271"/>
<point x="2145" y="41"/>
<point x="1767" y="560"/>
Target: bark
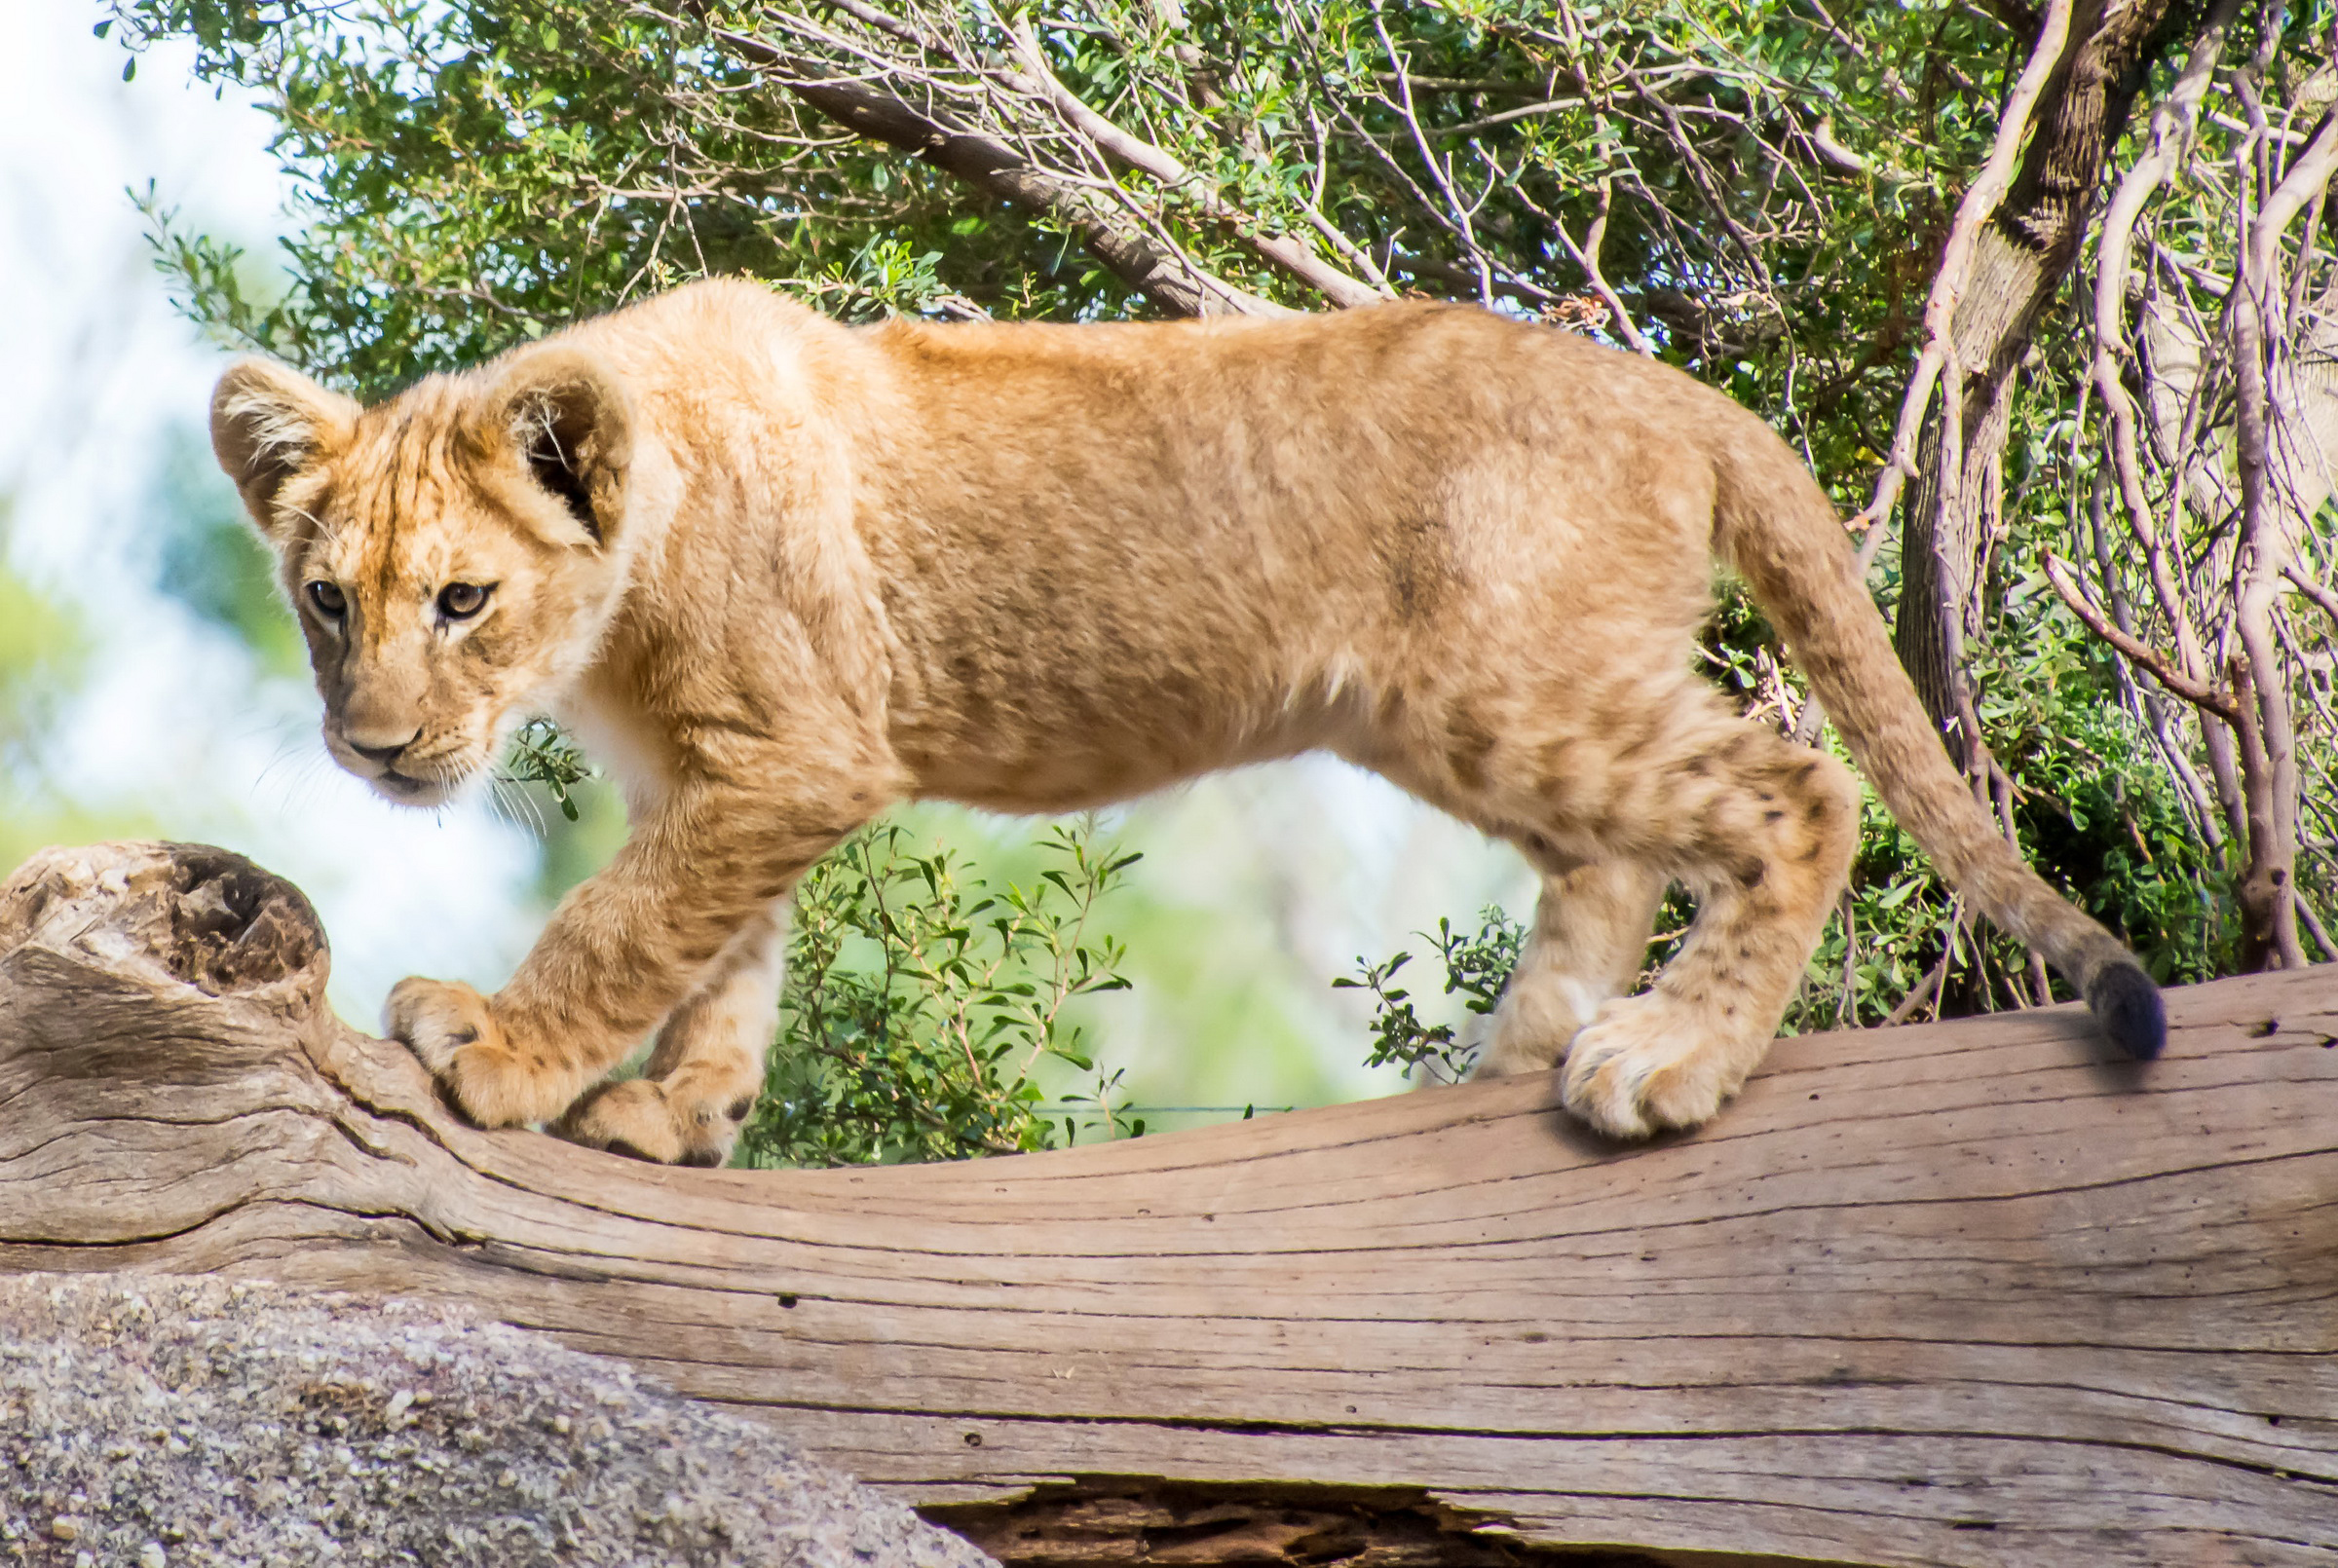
<point x="2020" y="262"/>
<point x="1958" y="1293"/>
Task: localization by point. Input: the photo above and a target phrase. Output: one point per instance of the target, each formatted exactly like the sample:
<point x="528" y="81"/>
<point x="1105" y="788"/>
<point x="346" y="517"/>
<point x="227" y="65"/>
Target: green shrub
<point x="924" y="1005"/>
<point x="1476" y="969"/>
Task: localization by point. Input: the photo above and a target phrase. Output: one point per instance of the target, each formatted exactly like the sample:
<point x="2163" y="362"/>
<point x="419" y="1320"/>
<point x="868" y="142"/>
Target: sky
<point x="1260" y="886"/>
<point x="175" y="731"/>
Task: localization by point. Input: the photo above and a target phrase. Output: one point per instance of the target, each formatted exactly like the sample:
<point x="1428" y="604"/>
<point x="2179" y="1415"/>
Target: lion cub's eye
<point x="327" y="599"/>
<point x="460" y="601"/>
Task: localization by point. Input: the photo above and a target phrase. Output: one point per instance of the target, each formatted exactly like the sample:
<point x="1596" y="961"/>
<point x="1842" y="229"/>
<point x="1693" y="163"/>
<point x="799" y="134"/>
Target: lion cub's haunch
<point x="780" y="574"/>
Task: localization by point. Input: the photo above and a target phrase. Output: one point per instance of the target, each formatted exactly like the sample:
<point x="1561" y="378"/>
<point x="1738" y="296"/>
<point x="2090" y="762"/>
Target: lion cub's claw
<point x="437" y="1017"/>
<point x="453" y="1031"/>
<point x="1641" y="1066"/>
<point x="637" y="1119"/>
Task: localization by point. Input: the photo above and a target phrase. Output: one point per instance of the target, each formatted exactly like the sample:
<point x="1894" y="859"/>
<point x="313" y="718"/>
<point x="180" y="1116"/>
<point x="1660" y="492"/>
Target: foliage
<point x="1476" y="969"/>
<point x="2197" y="480"/>
<point x="539" y="753"/>
<point x="924" y="1004"/>
<point x="477" y="173"/>
<point x="474" y="175"/>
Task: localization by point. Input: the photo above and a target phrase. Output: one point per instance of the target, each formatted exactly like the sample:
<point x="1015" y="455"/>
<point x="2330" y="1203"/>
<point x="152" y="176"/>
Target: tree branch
<point x="934" y="137"/>
<point x="1283" y="251"/>
<point x="2167" y="671"/>
<point x="2308" y="177"/>
<point x="1981" y="201"/>
<point x="2171" y="127"/>
<point x="2306" y="583"/>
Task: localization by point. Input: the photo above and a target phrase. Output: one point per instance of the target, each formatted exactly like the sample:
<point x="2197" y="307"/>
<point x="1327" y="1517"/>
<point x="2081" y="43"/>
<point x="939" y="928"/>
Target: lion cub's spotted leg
<point x="634" y="943"/>
<point x="706" y="1068"/>
<point x="1762" y="832"/>
<point x="1591" y="930"/>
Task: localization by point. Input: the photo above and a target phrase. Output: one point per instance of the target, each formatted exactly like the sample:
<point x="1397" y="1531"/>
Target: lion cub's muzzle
<point x="407" y="772"/>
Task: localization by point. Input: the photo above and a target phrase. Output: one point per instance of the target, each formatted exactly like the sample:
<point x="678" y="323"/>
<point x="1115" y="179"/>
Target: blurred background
<point x="151" y="685"/>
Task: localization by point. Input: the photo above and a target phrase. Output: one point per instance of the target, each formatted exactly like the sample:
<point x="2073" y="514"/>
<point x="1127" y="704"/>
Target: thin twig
<point x="1938" y="976"/>
<point x="2164" y="669"/>
<point x="1587" y="256"/>
<point x="1169" y="277"/>
<point x="1283" y="251"/>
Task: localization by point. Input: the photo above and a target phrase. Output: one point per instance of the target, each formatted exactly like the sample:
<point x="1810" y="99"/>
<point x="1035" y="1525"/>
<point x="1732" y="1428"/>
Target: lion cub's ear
<point x="569" y="417"/>
<point x="268" y="423"/>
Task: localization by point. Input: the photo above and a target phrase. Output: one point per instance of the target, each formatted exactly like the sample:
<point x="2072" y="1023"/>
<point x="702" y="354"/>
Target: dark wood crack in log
<point x="1960" y="1293"/>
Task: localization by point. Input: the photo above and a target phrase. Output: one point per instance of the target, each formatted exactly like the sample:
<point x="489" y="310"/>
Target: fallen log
<point x="1956" y="1293"/>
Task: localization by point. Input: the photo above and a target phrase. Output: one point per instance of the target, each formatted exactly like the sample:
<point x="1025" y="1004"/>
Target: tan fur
<point x="804" y="572"/>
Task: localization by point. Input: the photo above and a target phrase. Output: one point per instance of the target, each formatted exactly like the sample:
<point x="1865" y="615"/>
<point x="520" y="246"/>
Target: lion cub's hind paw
<point x="1645" y="1063"/>
<point x="637" y="1119"/>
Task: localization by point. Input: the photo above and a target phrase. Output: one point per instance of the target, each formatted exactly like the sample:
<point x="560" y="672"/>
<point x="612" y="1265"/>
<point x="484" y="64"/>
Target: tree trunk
<point x="2019" y="261"/>
<point x="1964" y="1294"/>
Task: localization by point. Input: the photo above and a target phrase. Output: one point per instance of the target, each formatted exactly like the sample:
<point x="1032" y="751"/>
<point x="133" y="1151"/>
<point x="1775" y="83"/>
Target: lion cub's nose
<point x="383" y="755"/>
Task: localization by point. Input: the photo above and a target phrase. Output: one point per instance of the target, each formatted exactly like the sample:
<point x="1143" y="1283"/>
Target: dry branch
<point x="1284" y="251"/>
<point x="1977" y="205"/>
<point x="2165" y="670"/>
<point x="1961" y="1293"/>
<point x="932" y="134"/>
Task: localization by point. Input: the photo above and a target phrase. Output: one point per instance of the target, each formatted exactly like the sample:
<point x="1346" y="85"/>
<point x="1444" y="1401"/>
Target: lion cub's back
<point x="1172" y="539"/>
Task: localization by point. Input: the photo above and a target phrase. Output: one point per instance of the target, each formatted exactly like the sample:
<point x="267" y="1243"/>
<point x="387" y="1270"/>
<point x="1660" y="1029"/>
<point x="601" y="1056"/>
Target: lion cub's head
<point x="452" y="554"/>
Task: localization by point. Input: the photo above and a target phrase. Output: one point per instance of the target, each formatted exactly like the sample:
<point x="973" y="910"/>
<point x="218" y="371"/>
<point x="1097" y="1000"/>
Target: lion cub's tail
<point x="1776" y="526"/>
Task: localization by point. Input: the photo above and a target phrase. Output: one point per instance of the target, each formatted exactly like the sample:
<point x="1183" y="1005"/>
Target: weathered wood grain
<point x="1963" y="1294"/>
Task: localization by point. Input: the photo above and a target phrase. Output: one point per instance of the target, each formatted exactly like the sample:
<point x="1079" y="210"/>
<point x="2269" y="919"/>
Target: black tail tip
<point x="2126" y="1004"/>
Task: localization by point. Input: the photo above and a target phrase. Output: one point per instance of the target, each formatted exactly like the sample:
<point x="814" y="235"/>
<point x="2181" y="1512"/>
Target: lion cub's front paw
<point x="640" y="1119"/>
<point x="1645" y="1064"/>
<point x="454" y="1031"/>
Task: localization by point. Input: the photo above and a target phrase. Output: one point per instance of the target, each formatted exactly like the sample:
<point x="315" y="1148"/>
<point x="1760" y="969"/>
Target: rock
<point x="246" y="1422"/>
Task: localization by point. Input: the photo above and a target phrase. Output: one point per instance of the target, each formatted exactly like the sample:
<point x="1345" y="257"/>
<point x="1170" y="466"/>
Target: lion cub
<point x="780" y="574"/>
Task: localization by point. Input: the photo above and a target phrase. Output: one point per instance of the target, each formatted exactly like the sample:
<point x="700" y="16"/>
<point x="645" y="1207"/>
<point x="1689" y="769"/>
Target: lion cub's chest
<point x="641" y="757"/>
